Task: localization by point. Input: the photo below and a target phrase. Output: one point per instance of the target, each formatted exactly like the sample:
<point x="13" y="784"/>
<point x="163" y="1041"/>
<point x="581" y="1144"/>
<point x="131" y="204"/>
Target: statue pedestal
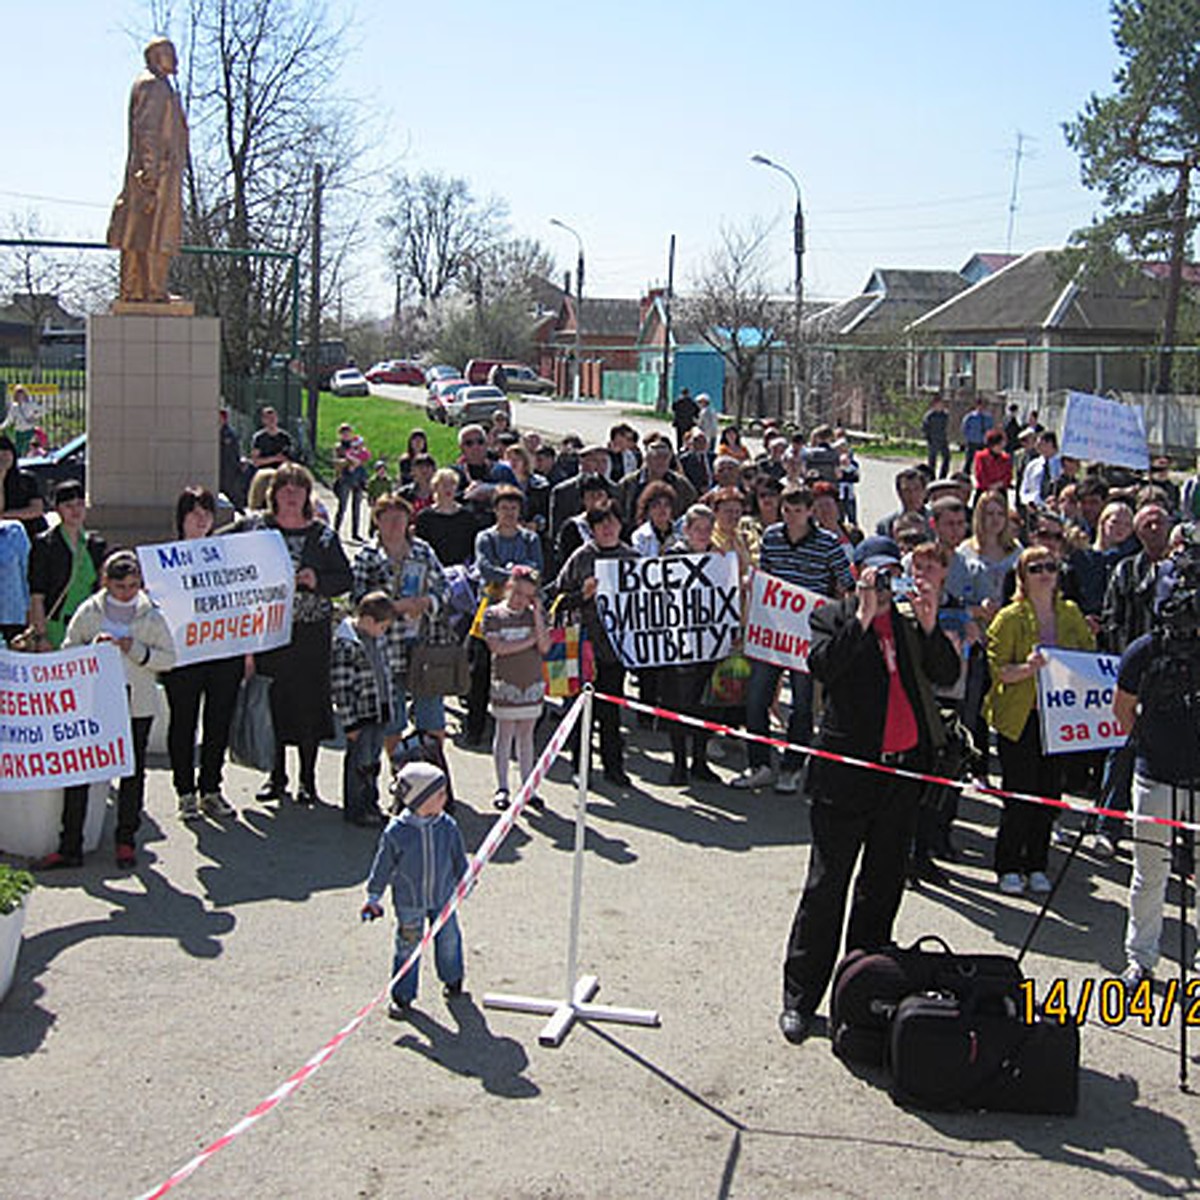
<point x="176" y="306"/>
<point x="153" y="390"/>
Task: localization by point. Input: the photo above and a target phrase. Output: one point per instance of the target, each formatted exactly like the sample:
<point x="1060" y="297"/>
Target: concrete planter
<point x="12" y="925"/>
<point x="30" y="821"/>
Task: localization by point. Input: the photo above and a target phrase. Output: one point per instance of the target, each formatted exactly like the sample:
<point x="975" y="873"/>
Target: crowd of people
<point x="947" y="604"/>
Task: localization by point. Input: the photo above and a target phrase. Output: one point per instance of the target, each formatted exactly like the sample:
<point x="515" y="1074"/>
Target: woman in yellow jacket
<point x="1038" y="616"/>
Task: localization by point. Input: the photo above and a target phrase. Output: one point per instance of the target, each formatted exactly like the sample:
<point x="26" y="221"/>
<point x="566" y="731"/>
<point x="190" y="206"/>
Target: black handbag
<point x="438" y="670"/>
<point x="251" y="730"/>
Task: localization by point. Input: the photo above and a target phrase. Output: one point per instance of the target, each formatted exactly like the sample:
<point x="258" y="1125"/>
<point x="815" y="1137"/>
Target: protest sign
<point x="64" y="718"/>
<point x="222" y="596"/>
<point x="1075" y="701"/>
<point x="671" y="611"/>
<point x="777" y="629"/>
<point x="1104" y="431"/>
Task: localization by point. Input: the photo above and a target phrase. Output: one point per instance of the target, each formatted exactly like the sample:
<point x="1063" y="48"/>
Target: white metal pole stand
<point x="564" y="1013"/>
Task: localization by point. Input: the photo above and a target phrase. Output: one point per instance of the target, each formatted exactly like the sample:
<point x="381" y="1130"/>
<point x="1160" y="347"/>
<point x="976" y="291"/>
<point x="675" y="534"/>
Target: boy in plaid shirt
<point x="361" y="683"/>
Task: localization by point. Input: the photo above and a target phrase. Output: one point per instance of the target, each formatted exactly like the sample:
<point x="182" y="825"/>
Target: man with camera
<point x="878" y="661"/>
<point x="1158" y="699"/>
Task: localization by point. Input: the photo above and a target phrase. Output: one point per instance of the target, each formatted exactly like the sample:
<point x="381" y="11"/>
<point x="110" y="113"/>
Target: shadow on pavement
<point x="159" y="910"/>
<point x="471" y="1050"/>
<point x="1109" y="1121"/>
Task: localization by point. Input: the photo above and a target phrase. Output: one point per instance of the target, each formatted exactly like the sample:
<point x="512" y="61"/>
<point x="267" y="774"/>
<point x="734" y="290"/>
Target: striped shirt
<point x="817" y="561"/>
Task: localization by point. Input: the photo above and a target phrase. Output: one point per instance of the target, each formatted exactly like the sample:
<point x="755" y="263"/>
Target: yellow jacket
<point x="1010" y="637"/>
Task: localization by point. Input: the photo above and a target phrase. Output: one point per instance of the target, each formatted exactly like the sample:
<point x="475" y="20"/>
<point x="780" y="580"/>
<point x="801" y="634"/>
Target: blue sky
<point x="633" y="121"/>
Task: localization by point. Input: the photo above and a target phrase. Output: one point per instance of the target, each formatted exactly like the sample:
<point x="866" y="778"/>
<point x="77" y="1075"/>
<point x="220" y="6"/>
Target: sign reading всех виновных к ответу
<point x="670" y="611"/>
<point x="1104" y="431"/>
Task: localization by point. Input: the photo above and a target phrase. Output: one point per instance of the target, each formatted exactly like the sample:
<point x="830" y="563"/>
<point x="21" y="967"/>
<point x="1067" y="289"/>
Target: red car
<point x="397" y="370"/>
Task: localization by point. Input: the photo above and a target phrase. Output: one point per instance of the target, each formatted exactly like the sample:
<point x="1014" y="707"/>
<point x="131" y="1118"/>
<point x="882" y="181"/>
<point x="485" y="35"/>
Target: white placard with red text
<point x="777" y="621"/>
<point x="1075" y="701"/>
<point x="64" y="718"/>
<point x="222" y="596"/>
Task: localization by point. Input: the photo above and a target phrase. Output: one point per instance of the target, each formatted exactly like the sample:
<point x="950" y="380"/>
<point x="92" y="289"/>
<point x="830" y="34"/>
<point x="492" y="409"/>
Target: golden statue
<point x="147" y="219"/>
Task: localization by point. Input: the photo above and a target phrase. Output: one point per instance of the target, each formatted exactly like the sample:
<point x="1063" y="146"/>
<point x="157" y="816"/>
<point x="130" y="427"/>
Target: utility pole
<point x="664" y="382"/>
<point x="314" y="310"/>
<point x="578" y="392"/>
<point x="1012" y="199"/>
<point x="799" y="363"/>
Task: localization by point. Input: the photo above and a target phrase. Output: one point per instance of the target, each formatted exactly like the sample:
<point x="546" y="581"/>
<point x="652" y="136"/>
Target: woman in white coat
<point x="120" y="613"/>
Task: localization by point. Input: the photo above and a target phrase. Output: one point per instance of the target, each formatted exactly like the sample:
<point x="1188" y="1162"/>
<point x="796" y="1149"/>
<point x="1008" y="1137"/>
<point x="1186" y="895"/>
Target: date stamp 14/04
<point x="1115" y="1004"/>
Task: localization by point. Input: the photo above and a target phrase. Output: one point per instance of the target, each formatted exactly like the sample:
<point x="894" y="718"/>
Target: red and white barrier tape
<point x="921" y="776"/>
<point x="488" y="847"/>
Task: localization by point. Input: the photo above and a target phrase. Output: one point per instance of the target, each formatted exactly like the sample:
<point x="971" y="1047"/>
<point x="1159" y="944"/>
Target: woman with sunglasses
<point x="1037" y="617"/>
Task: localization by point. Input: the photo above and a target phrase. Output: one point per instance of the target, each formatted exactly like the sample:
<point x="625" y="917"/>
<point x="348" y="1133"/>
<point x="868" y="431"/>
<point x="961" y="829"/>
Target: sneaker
<point x="1012" y="884"/>
<point x="451" y="990"/>
<point x="216" y="805"/>
<point x="271" y="790"/>
<point x="500" y="800"/>
<point x="1103" y="846"/>
<point x="126" y="855"/>
<point x="536" y="803"/>
<point x="1039" y="883"/>
<point x="753" y="777"/>
<point x="189" y="807"/>
<point x="398" y="1010"/>
<point x="1136" y="974"/>
<point x="58" y="862"/>
<point x="788" y="782"/>
<point x="1061" y="837"/>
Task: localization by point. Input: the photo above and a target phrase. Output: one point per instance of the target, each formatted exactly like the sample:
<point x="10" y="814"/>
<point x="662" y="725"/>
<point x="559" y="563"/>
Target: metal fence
<point x="60" y="393"/>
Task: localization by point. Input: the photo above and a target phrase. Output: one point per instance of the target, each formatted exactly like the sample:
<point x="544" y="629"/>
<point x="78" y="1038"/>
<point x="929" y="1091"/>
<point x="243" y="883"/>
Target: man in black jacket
<point x="877" y="661"/>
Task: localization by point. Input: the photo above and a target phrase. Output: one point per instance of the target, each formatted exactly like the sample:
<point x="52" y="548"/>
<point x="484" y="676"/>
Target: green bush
<point x="15" y="885"/>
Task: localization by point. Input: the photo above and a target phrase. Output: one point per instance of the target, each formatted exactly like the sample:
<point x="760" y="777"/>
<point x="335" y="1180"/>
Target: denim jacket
<point x="423" y="859"/>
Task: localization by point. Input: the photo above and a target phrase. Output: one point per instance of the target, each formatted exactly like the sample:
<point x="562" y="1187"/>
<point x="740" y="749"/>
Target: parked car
<point x="69" y="461"/>
<point x="478" y="369"/>
<point x="396" y="370"/>
<point x="472" y="404"/>
<point x="440" y="396"/>
<point x="349" y="381"/>
<point x="520" y="378"/>
<point x="441" y="371"/>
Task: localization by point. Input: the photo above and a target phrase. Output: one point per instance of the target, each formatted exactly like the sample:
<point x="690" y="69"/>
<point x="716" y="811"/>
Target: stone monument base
<point x="175" y="306"/>
<point x="153" y="391"/>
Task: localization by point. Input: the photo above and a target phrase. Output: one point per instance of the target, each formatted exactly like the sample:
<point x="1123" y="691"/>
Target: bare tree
<point x="40" y="281"/>
<point x="731" y="305"/>
<point x="258" y="81"/>
<point x="440" y="235"/>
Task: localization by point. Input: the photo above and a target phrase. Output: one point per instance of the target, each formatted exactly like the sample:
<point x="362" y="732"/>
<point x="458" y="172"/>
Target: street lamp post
<point x="798" y="357"/>
<point x="578" y="305"/>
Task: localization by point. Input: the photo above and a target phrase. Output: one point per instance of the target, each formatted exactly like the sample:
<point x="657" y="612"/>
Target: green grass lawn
<point x="384" y="426"/>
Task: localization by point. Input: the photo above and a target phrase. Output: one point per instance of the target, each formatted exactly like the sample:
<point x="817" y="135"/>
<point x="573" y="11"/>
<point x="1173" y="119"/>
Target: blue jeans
<point x="763" y="680"/>
<point x="447" y="950"/>
<point x="427" y="713"/>
<point x="360" y="771"/>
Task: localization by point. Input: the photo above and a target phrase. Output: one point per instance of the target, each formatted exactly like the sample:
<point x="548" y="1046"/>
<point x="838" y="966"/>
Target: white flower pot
<point x="11" y="926"/>
<point x="30" y="821"/>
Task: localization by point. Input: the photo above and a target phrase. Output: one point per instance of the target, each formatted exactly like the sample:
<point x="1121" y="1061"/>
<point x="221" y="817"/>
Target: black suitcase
<point x="978" y="1053"/>
<point x="868" y="987"/>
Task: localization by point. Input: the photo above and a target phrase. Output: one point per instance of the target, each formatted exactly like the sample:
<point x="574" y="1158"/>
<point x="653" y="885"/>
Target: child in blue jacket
<point x="421" y="855"/>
